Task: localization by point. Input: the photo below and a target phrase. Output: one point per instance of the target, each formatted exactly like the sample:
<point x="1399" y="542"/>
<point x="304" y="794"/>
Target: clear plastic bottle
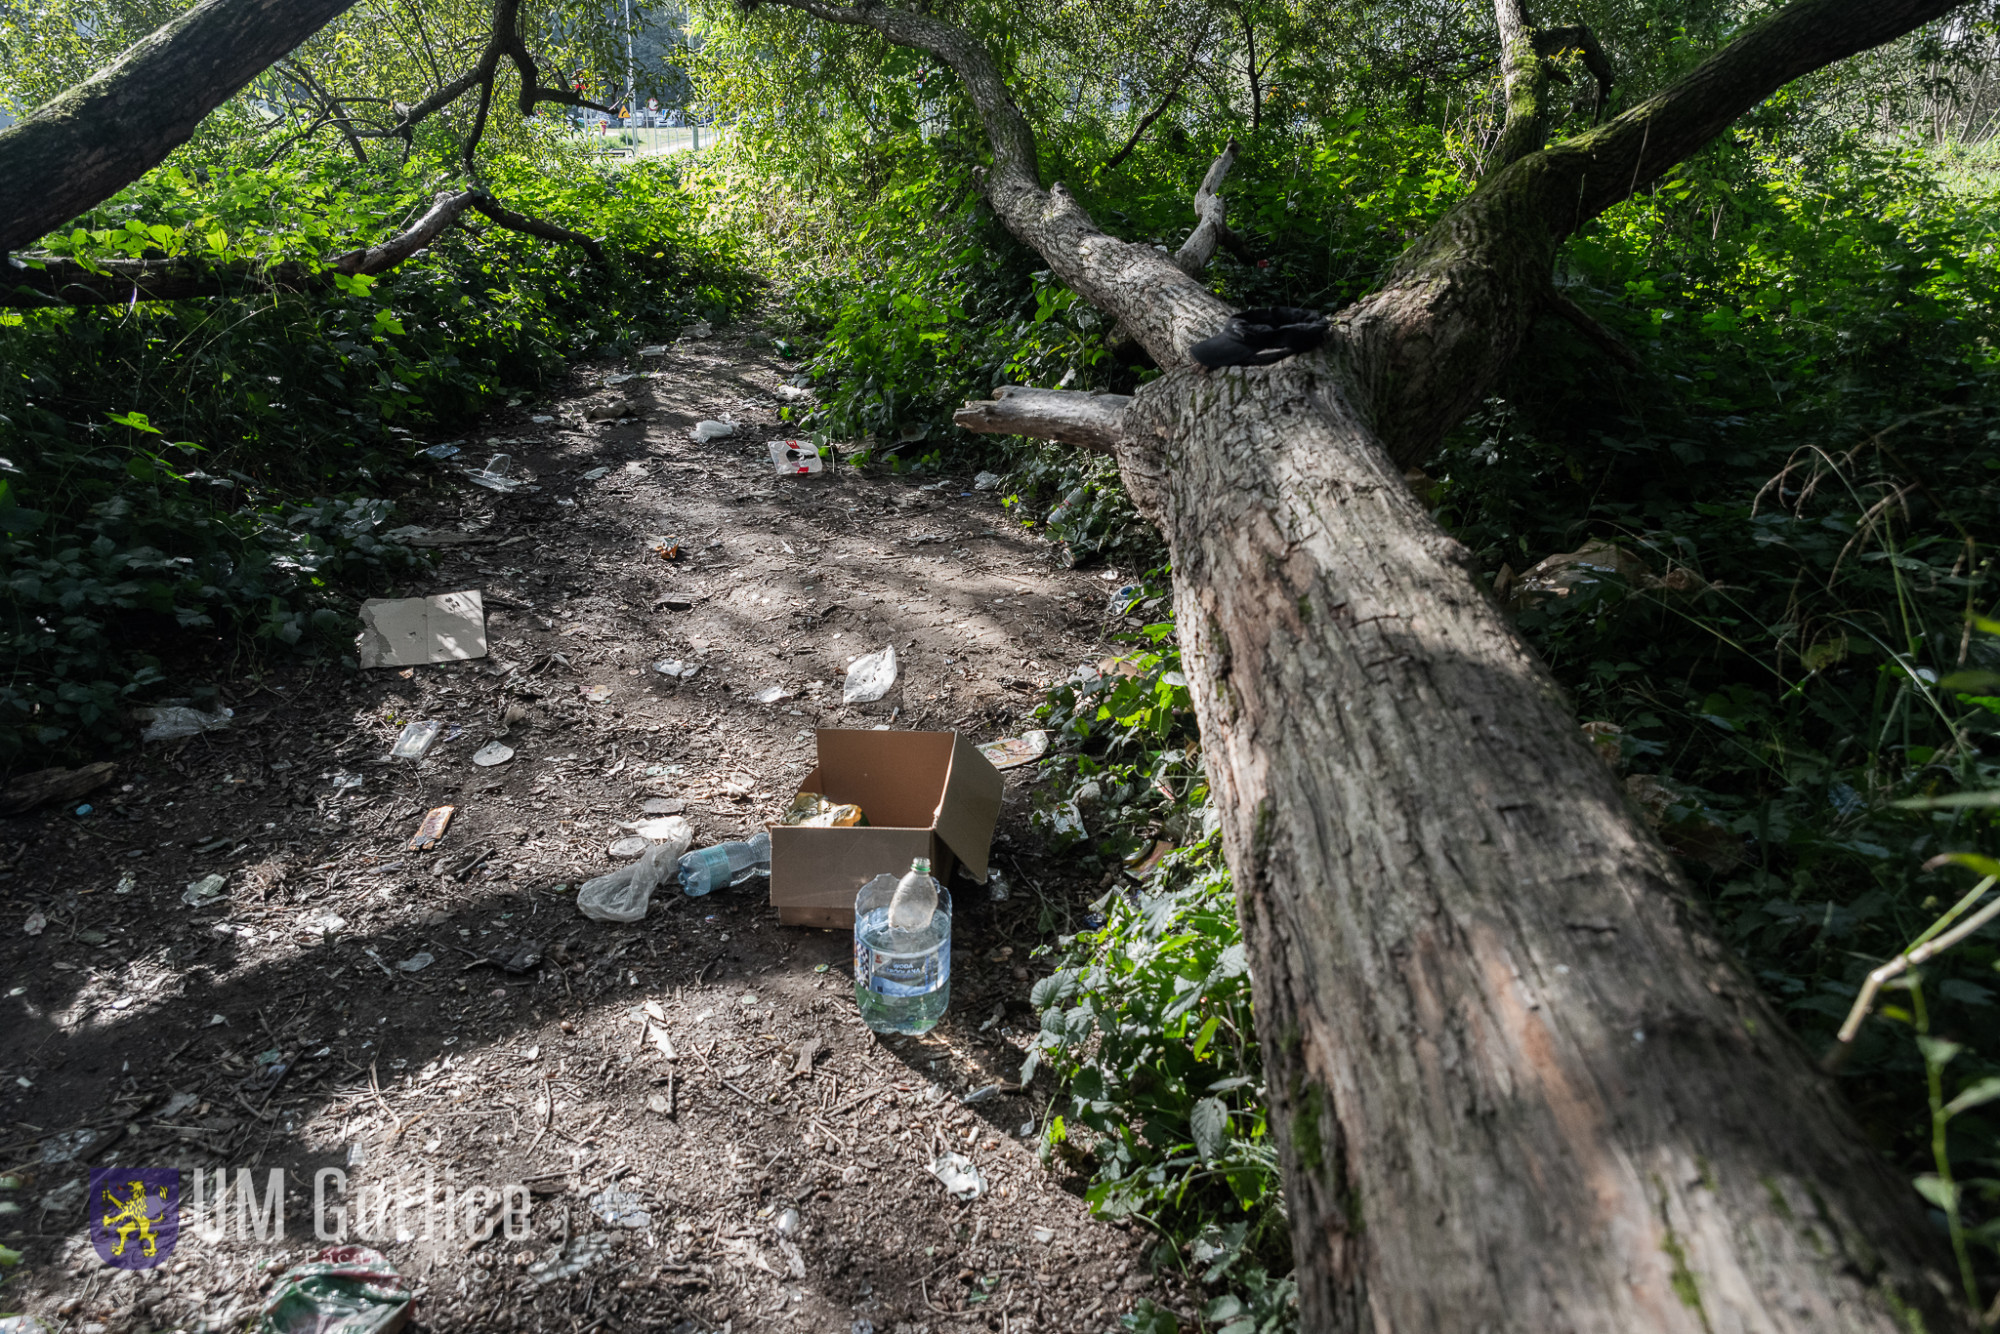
<point x="902" y="951"/>
<point x="707" y="869"/>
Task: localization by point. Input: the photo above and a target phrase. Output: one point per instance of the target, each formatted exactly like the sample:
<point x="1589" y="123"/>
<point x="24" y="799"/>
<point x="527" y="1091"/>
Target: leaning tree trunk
<point x="98" y="137"/>
<point x="1517" y="1083"/>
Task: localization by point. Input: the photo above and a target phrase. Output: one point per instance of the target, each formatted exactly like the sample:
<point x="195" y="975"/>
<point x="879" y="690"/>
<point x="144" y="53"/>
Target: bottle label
<point x="888" y="974"/>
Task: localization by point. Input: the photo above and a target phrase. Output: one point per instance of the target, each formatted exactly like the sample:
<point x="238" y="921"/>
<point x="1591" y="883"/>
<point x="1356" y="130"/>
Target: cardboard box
<point x="925" y="794"/>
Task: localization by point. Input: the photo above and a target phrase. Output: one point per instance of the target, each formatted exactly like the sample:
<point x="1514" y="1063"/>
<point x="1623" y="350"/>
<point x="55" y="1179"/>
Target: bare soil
<point x="780" y="1154"/>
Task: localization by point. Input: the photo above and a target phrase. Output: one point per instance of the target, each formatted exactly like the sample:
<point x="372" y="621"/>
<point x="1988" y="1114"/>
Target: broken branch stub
<point x="1093" y="421"/>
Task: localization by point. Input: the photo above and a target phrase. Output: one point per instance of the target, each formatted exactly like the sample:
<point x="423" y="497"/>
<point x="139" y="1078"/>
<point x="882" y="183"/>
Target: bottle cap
<point x="921" y="864"/>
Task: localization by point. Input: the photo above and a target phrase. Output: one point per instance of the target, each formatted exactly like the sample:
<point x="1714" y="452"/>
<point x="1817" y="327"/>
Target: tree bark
<point x="96" y="138"/>
<point x="1516" y="1081"/>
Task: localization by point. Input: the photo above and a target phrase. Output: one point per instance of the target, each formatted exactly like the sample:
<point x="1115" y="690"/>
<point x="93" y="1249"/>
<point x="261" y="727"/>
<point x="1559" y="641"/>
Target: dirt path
<point x="779" y="1155"/>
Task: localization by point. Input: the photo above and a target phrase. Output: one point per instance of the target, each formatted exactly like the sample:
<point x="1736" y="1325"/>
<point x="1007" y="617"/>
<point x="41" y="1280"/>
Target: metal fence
<point x="651" y="141"/>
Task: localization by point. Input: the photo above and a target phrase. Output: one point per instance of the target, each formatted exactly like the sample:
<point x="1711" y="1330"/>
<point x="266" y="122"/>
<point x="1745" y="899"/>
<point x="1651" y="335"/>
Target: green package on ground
<point x="342" y="1290"/>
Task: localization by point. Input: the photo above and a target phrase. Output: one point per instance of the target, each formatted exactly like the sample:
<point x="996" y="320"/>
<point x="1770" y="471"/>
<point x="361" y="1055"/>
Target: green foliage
<point x="216" y="467"/>
<point x="1802" y="484"/>
<point x="1146" y="1023"/>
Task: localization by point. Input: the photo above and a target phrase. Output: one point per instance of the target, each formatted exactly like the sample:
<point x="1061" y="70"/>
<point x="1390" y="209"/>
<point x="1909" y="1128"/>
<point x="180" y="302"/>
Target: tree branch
<point x="1459" y="302"/>
<point x="548" y="231"/>
<point x="1524" y="82"/>
<point x="1146" y="122"/>
<point x="1554" y="42"/>
<point x="1587" y="324"/>
<point x="1094" y="421"/>
<point x="1164" y="309"/>
<point x="34" y="283"/>
<point x="1213" y="228"/>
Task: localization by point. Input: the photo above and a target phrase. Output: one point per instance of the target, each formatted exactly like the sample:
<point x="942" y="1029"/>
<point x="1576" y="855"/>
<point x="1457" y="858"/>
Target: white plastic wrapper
<point x="623" y="895"/>
<point x="178" y="721"/>
<point x="870" y="676"/>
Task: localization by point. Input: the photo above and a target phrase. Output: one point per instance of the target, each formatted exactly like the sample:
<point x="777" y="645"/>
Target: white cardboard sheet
<point x="407" y="632"/>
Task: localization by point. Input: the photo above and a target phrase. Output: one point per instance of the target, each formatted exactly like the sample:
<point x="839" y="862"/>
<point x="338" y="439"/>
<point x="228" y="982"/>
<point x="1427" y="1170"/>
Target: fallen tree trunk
<point x="1516" y="1081"/>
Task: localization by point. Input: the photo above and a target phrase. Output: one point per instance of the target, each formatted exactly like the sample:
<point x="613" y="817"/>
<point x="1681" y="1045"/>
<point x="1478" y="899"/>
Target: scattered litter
<point x="343" y="782"/>
<point x="1044" y="1235"/>
<point x="416" y="740"/>
<point x="663" y="806"/>
<point x="126" y="884"/>
<point x="789" y="1223"/>
<point x="595" y="473"/>
<point x="795" y="458"/>
<point x="661" y="829"/>
<point x="175" y="722"/>
<point x="621" y="1208"/>
<point x="417" y="962"/>
<point x="704" y="432"/>
<point x="202" y="892"/>
<point x="870" y="676"/>
<point x="611" y="381"/>
<point x="1014" y="751"/>
<point x="541" y="419"/>
<point x="657" y="1104"/>
<point x="494" y="475"/>
<point x="67" y="1147"/>
<point x="677" y="668"/>
<point x="810" y="810"/>
<point x="610" y="412"/>
<point x="791" y="393"/>
<point x="432" y="829"/>
<point x="623" y="895"/>
<point x="342" y="1290"/>
<point x="404" y="632"/>
<point x="595" y="694"/>
<point x="699" y="329"/>
<point x="979" y="1095"/>
<point x="986" y="481"/>
<point x="581" y="1253"/>
<point x="656" y="350"/>
<point x="997" y="888"/>
<point x="960" y="1177"/>
<point x="492" y="753"/>
<point x="524" y="960"/>
<point x="177" y="1104"/>
<point x="36" y="923"/>
<point x="772" y="695"/>
<point x="628" y="847"/>
<point x="709" y="869"/>
<point x="1142" y="862"/>
<point x="31" y="790"/>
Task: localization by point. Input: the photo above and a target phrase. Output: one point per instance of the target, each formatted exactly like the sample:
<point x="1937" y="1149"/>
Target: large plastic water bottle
<point x="902" y="951"/>
<point x="707" y="869"/>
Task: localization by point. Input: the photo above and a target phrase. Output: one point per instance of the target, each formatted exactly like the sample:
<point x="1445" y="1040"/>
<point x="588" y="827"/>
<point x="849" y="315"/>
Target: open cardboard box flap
<point x="926" y="794"/>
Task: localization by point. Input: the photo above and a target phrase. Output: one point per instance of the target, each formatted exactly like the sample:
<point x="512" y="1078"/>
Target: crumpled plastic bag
<point x="177" y="721"/>
<point x="960" y="1177"/>
<point x="342" y="1290"/>
<point x="624" y="894"/>
<point x="870" y="676"/>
